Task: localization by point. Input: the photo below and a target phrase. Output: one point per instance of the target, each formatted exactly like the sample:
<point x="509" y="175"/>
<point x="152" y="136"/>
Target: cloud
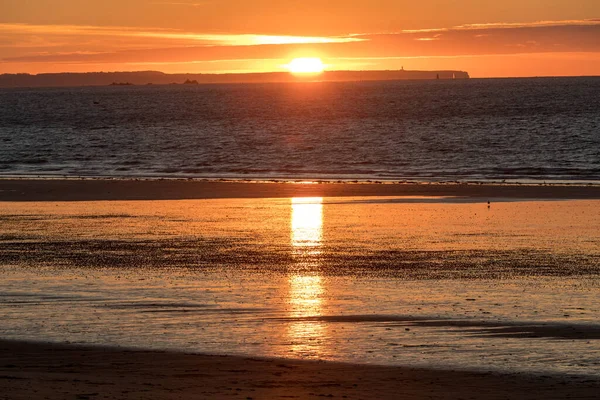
<point x="429" y="38"/>
<point x="188" y="38"/>
<point x="113" y="45"/>
<point x="475" y="39"/>
<point x="508" y="25"/>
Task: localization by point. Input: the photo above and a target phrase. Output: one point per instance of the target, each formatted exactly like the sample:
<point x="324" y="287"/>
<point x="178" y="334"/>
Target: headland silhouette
<point x="160" y="78"/>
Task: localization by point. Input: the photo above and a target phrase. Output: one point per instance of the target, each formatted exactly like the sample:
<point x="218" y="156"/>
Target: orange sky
<point x="486" y="38"/>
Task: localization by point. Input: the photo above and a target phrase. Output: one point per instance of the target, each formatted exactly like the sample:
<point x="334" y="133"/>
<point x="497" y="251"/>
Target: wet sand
<point x="38" y="371"/>
<point x="115" y="189"/>
<point x="45" y="371"/>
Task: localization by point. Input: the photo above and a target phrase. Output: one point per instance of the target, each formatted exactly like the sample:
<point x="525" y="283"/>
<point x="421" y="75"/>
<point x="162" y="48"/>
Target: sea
<point x="524" y="130"/>
<point x="434" y="282"/>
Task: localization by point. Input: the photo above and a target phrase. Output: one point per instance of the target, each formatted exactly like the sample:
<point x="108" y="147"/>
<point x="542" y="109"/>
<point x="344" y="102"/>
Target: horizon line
<point x="287" y="73"/>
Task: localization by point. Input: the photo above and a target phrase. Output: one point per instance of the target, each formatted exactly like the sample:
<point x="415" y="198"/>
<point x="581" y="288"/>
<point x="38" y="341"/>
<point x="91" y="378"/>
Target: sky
<point x="486" y="38"/>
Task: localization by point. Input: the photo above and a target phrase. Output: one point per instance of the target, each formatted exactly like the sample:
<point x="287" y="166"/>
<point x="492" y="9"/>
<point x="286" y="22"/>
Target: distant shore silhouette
<point x="160" y="78"/>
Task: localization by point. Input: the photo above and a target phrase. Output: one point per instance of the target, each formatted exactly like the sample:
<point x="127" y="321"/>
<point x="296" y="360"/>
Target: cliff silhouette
<point x="160" y="78"/>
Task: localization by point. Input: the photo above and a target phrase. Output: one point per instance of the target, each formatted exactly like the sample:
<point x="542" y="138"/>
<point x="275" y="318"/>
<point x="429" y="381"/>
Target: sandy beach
<point x="410" y="291"/>
<point x="43" y="371"/>
<point x="129" y="189"/>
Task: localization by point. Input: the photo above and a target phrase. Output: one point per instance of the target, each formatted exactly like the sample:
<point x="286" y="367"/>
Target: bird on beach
<point x="489" y="204"/>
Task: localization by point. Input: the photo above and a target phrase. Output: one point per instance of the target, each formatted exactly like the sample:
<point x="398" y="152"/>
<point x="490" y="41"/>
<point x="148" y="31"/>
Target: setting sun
<point x="306" y="65"/>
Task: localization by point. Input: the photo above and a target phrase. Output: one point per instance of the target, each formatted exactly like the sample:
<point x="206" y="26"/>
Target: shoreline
<point x="40" y="370"/>
<point x="29" y="190"/>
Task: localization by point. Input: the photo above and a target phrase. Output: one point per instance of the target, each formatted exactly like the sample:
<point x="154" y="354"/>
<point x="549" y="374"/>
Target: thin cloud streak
<point x="208" y="39"/>
<point x="507" y="25"/>
<point x="247" y="39"/>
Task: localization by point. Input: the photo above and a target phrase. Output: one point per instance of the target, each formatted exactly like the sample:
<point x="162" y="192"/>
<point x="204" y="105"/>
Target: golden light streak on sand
<point x="306" y="292"/>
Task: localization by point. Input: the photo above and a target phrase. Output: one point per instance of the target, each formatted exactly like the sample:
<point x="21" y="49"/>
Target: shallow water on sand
<point x="398" y="281"/>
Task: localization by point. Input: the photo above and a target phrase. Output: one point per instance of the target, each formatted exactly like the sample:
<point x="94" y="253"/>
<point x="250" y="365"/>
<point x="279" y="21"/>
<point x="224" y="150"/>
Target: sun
<point x="306" y="65"/>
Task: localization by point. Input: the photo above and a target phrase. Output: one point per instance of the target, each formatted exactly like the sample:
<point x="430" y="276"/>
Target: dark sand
<point x="114" y="189"/>
<point x="41" y="371"/>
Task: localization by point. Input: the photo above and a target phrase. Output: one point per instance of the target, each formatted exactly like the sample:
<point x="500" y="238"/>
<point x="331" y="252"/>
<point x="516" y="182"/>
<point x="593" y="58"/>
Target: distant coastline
<point x="160" y="78"/>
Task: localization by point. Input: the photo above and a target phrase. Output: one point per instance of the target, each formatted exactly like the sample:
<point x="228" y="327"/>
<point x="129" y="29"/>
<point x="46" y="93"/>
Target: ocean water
<point x="484" y="130"/>
<point x="441" y="283"/>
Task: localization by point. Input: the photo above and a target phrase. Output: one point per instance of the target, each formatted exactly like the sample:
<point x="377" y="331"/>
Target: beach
<point x="203" y="289"/>
<point x="41" y="371"/>
<point x="180" y="189"/>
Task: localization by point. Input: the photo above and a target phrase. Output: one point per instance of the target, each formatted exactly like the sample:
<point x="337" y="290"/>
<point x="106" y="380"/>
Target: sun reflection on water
<point x="306" y="286"/>
<point x="306" y="295"/>
<point x="307" y="223"/>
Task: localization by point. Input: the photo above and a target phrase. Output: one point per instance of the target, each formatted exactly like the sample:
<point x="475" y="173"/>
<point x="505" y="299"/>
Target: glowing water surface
<point x="442" y="283"/>
<point x="306" y="293"/>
